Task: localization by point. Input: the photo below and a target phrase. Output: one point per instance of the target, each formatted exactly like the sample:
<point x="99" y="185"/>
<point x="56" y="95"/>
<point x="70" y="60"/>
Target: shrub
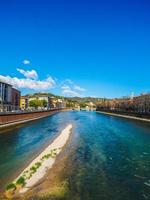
<point x="11" y="186"/>
<point x="38" y="164"/>
<point x="33" y="168"/>
<point x="20" y="181"/>
<point x="48" y="155"/>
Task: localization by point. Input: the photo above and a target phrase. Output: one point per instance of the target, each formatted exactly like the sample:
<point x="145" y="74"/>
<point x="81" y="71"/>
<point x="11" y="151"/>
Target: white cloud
<point x="70" y="89"/>
<point x="66" y="90"/>
<point x="29" y="74"/>
<point x="77" y="87"/>
<point x="26" y="62"/>
<point x="30" y="81"/>
<point x="65" y="87"/>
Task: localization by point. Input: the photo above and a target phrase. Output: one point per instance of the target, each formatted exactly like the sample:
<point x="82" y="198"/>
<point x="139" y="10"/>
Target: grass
<point x="11" y="186"/>
<point x="28" y="173"/>
<point x="52" y="154"/>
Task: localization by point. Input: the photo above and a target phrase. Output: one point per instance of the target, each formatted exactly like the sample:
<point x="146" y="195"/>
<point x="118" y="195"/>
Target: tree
<point x="33" y="103"/>
<point x="38" y="103"/>
<point x="83" y="105"/>
<point x="44" y="103"/>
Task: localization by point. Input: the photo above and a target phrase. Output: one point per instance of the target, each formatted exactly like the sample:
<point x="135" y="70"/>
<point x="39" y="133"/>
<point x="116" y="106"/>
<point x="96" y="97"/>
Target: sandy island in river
<point x="42" y="163"/>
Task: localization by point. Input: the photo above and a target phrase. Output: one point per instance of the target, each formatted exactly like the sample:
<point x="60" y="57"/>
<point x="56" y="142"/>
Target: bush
<point x="48" y="155"/>
<point x="38" y="164"/>
<point x="21" y="181"/>
<point x="33" y="168"/>
<point x="11" y="186"/>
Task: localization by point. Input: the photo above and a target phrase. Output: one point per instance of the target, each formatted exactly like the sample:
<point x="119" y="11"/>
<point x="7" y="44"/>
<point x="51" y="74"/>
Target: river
<point x="111" y="158"/>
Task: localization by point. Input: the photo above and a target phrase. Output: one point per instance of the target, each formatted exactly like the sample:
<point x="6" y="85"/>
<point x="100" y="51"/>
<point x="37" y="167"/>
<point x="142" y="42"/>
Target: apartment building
<point x="9" y="97"/>
<point x="24" y="103"/>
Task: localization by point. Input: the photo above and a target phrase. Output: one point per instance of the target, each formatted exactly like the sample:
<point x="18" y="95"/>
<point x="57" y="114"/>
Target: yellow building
<point x="23" y="103"/>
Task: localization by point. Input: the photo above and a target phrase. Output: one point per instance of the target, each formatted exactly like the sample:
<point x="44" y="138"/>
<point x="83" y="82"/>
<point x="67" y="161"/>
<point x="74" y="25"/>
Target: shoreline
<point x="6" y="126"/>
<point x="124" y="116"/>
<point x="39" y="166"/>
<point x="24" y="121"/>
<point x="10" y="124"/>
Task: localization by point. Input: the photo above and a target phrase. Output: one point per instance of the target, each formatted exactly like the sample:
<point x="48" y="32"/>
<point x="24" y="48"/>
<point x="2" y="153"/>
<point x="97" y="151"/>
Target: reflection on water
<point x="110" y="161"/>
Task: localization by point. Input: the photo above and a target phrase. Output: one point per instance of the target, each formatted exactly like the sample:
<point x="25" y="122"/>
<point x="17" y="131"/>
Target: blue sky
<point x="86" y="48"/>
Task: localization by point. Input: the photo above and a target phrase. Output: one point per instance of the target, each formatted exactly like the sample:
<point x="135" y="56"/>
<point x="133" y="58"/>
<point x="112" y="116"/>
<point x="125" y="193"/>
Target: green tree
<point x="44" y="103"/>
<point x="38" y="103"/>
<point x="34" y="103"/>
<point x="83" y="105"/>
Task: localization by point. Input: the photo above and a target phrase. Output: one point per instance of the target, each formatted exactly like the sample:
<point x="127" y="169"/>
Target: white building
<point x="61" y="104"/>
<point x="47" y="99"/>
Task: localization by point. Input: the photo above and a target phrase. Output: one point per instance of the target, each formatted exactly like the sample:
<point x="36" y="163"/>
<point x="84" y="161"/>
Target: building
<point x="46" y="102"/>
<point x="60" y="104"/>
<point x="15" y="99"/>
<point x="52" y="102"/>
<point x="136" y="104"/>
<point x="141" y="104"/>
<point x="5" y="97"/>
<point x="9" y="97"/>
<point x="43" y="101"/>
<point x="76" y="106"/>
<point x="24" y="103"/>
<point x="91" y="106"/>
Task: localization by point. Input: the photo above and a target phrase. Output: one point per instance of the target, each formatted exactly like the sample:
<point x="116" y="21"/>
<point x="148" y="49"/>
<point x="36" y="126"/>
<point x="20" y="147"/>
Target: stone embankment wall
<point x="133" y="114"/>
<point x="8" y="118"/>
<point x="126" y="115"/>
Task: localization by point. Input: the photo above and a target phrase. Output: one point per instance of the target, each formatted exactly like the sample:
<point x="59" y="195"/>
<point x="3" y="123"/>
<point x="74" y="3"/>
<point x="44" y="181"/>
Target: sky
<point x="76" y="48"/>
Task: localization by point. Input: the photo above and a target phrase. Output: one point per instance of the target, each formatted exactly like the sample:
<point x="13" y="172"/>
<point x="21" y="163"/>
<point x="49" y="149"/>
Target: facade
<point x="138" y="104"/>
<point x="24" y="103"/>
<point x="5" y="97"/>
<point x="60" y="104"/>
<point x="33" y="98"/>
<point x="91" y="106"/>
<point x="49" y="102"/>
<point x="9" y="97"/>
<point x="46" y="99"/>
<point x="142" y="103"/>
<point x="15" y="99"/>
<point x="76" y="106"/>
<point x="52" y="102"/>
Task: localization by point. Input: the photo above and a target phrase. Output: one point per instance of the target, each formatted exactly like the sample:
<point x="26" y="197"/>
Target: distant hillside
<point x="80" y="100"/>
<point x="44" y="94"/>
<point x="84" y="99"/>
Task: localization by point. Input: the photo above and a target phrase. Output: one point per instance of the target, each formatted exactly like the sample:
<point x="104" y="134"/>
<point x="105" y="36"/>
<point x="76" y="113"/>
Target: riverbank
<point x="124" y="116"/>
<point x="39" y="166"/>
<point x="8" y="121"/>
